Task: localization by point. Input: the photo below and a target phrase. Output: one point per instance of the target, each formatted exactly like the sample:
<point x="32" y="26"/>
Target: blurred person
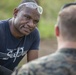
<point x="63" y="61"/>
<point x="19" y="36"/>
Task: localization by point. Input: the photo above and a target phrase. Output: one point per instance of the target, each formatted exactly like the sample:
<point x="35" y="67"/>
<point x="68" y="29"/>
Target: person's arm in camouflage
<point x="37" y="69"/>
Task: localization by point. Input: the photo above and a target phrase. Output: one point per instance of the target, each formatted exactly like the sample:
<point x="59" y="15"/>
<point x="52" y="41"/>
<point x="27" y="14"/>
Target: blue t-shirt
<point x="16" y="48"/>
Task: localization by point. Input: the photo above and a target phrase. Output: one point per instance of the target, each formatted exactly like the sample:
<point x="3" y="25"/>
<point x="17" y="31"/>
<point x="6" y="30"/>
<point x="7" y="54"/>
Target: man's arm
<point x="31" y="55"/>
<point x="34" y="49"/>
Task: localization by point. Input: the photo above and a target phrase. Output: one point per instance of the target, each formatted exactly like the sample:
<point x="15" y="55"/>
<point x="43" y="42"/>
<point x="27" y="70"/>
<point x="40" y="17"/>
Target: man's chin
<point x="26" y="34"/>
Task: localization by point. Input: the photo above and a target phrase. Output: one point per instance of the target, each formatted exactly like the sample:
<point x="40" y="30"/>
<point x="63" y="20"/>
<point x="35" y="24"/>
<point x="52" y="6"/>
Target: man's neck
<point x="66" y="44"/>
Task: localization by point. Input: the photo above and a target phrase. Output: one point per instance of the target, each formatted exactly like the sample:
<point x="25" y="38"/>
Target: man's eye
<point x="27" y="17"/>
<point x="36" y="21"/>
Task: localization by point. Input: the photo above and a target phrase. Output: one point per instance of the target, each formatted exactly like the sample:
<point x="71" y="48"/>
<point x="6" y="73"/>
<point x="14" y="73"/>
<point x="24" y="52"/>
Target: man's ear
<point x="57" y="32"/>
<point x="15" y="12"/>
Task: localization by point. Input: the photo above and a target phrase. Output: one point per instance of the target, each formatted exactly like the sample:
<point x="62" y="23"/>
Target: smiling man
<point x="20" y="35"/>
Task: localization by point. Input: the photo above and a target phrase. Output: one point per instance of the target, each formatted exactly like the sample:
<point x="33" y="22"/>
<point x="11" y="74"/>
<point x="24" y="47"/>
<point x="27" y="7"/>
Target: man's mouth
<point x="26" y="29"/>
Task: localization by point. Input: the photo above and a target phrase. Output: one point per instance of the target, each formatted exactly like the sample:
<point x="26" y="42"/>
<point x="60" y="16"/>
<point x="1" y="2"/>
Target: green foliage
<point x="7" y="7"/>
<point x="46" y="29"/>
<point x="48" y="18"/>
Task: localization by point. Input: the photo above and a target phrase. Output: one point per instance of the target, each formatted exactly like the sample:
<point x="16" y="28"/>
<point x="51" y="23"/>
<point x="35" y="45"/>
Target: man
<point x="19" y="35"/>
<point x="63" y="61"/>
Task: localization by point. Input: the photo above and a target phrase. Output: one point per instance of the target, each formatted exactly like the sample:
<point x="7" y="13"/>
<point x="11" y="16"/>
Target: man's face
<point x="26" y="20"/>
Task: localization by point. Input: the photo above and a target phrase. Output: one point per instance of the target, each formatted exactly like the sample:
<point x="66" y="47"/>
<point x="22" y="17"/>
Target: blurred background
<point x="48" y="43"/>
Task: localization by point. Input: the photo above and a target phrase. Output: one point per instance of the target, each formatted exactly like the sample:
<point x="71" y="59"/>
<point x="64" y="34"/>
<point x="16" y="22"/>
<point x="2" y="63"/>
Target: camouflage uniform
<point x="62" y="62"/>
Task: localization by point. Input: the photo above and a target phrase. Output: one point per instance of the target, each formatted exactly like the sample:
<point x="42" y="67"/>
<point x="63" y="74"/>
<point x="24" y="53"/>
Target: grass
<point x="46" y="29"/>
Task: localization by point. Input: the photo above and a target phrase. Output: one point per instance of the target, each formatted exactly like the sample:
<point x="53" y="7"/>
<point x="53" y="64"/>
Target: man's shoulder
<point x="35" y="31"/>
<point x="34" y="34"/>
<point x="51" y="64"/>
<point x="52" y="60"/>
<point x="3" y="22"/>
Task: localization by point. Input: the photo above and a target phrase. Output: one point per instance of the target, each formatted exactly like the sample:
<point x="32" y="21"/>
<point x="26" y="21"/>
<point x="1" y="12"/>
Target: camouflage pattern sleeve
<point x="36" y="70"/>
<point x="43" y="66"/>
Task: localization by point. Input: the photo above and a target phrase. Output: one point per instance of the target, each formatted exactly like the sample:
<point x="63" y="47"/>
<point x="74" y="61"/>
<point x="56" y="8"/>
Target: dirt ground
<point x="47" y="46"/>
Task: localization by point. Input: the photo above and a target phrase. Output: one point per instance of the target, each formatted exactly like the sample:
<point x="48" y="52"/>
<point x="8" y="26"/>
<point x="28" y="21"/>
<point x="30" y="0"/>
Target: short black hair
<point x="68" y="4"/>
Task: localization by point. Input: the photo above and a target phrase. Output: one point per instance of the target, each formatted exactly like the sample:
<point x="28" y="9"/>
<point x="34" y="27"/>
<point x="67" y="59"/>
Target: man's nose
<point x="30" y="23"/>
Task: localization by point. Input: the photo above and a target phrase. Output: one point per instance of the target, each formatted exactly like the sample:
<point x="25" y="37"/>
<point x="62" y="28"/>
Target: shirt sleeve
<point x="36" y="40"/>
